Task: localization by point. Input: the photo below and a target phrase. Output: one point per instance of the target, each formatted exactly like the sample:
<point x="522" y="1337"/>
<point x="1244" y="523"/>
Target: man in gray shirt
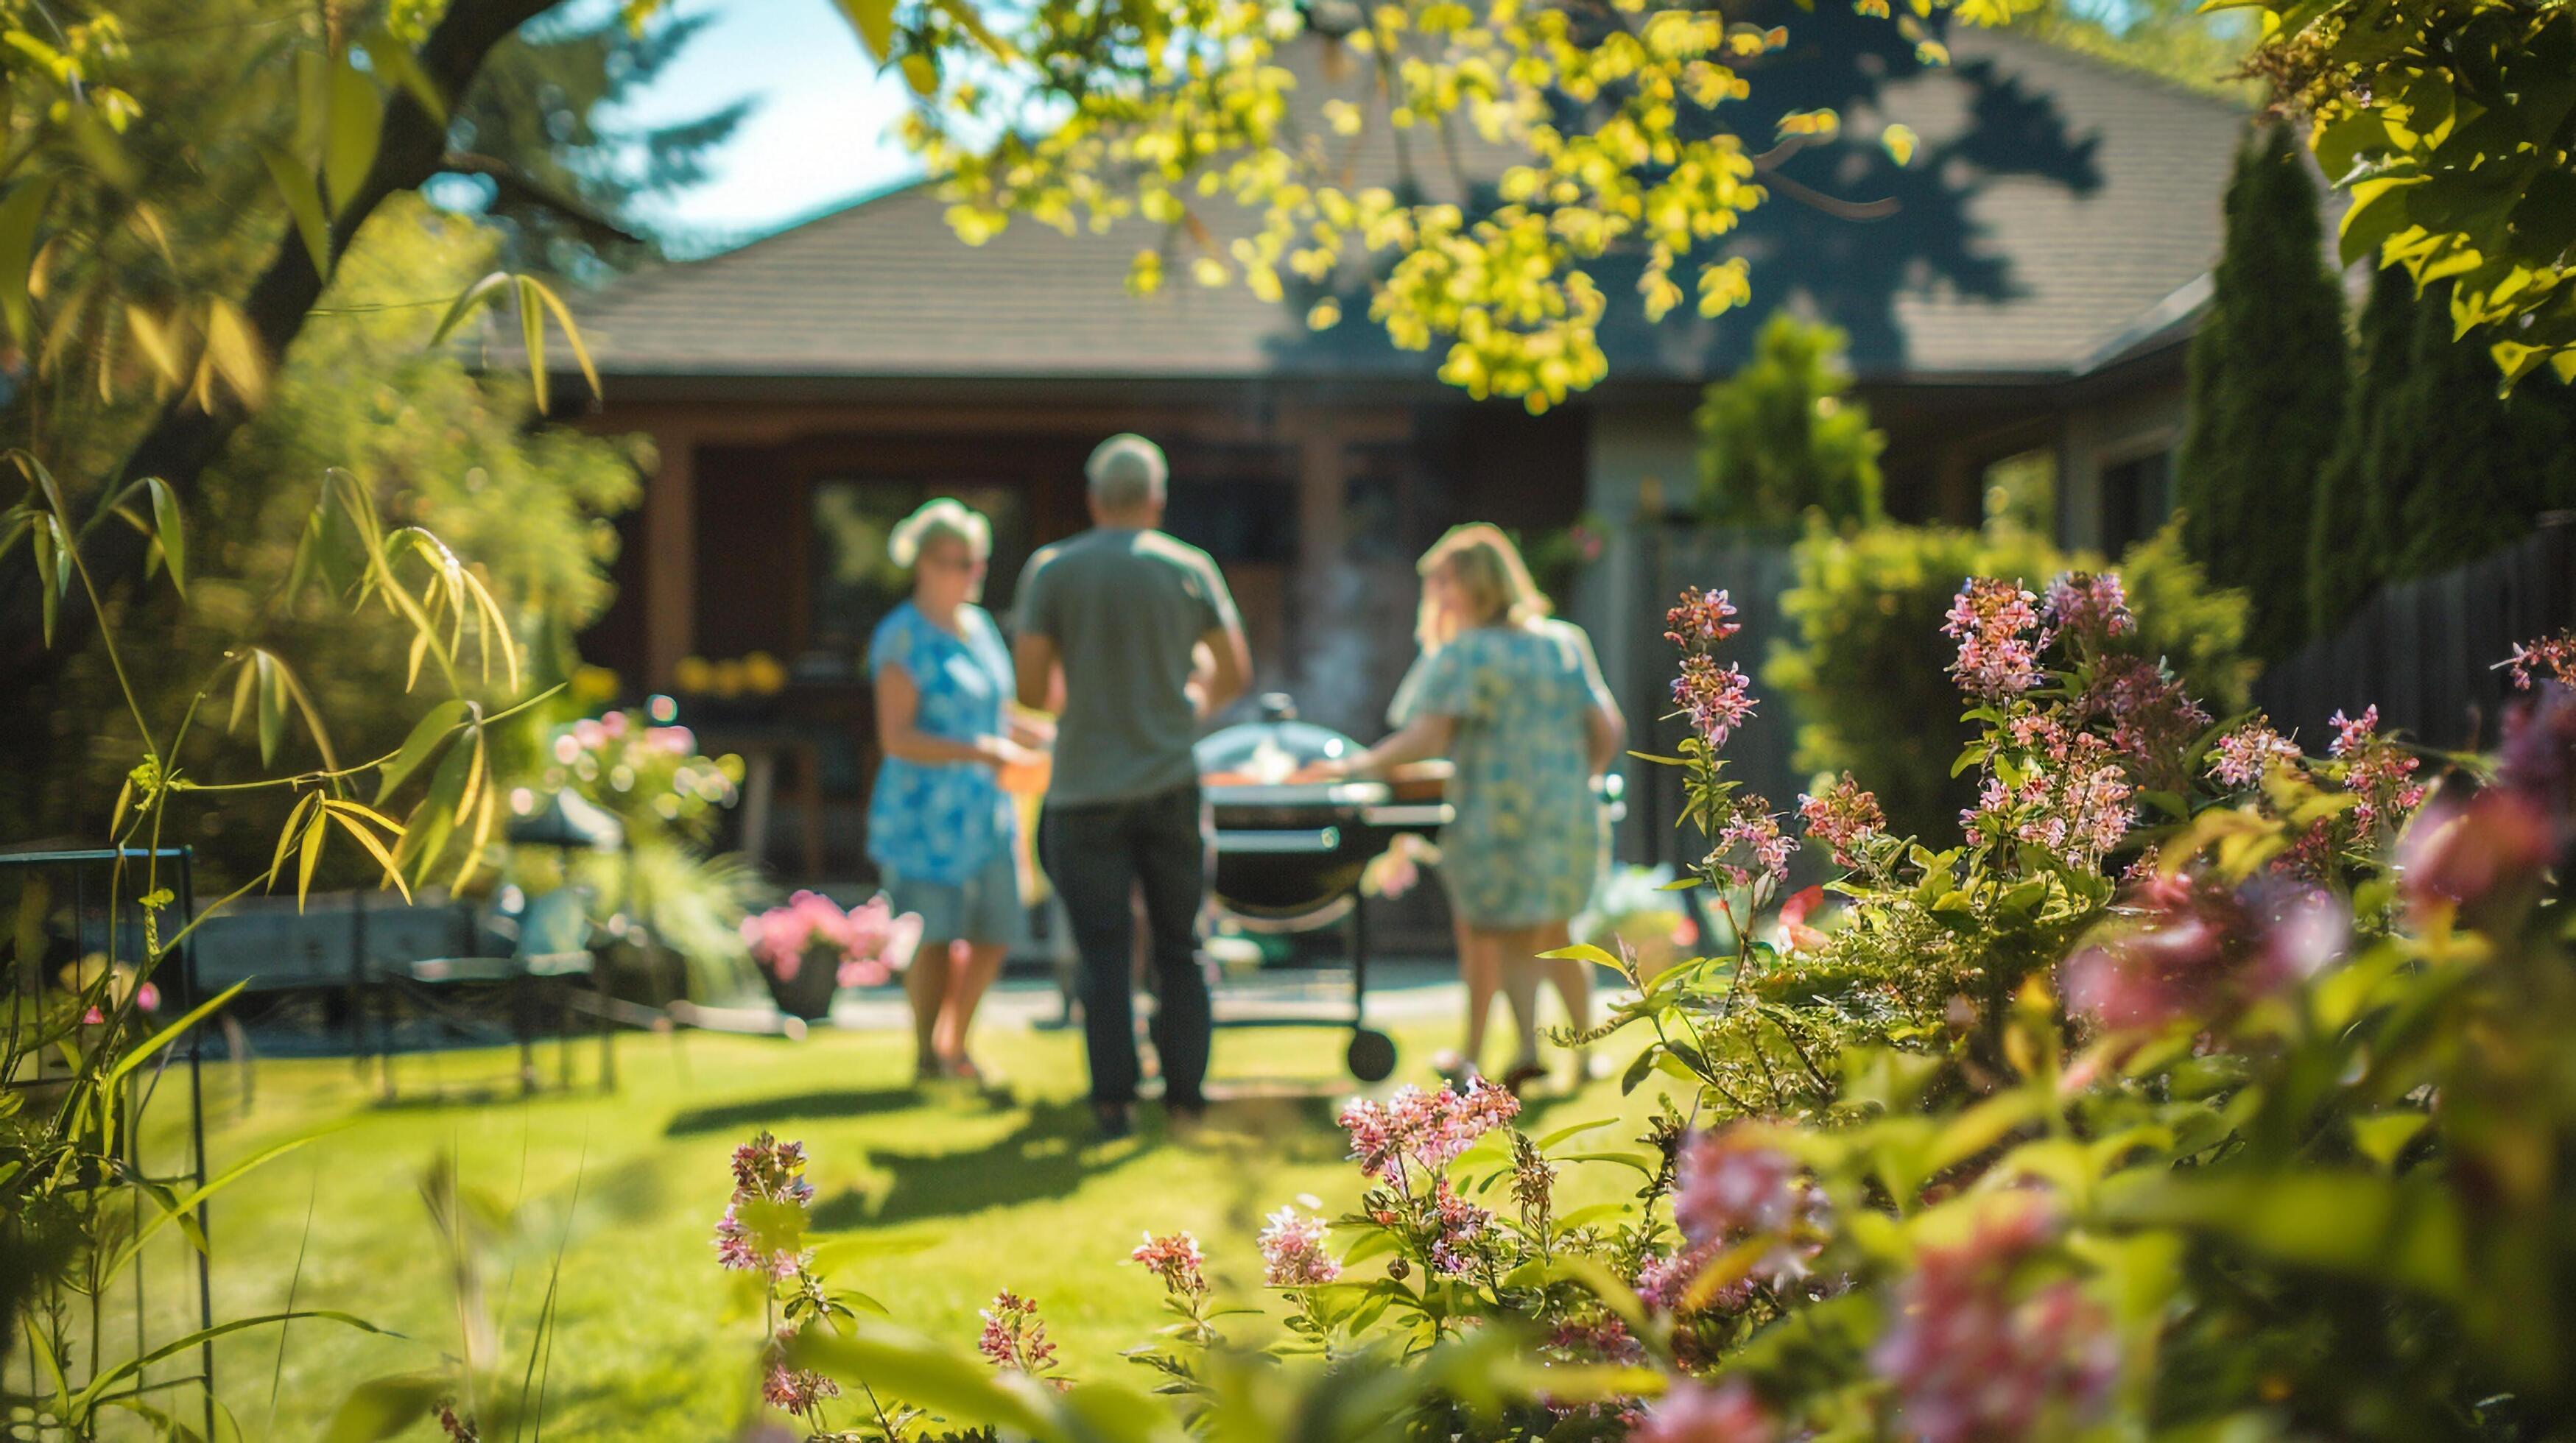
<point x="1121" y="608"/>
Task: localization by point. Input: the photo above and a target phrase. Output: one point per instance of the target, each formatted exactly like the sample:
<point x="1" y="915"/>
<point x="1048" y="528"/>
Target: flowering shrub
<point x="650" y="775"/>
<point x="812" y="928"/>
<point x="2202" y="1089"/>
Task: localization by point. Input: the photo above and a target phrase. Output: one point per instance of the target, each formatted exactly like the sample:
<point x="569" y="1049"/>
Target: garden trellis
<point x="69" y="916"/>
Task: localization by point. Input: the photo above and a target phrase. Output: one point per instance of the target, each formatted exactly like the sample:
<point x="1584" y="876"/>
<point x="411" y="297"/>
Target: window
<point x="855" y="583"/>
<point x="2137" y="496"/>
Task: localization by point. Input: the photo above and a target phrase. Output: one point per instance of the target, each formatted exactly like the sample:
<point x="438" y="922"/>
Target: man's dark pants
<point x="1098" y="856"/>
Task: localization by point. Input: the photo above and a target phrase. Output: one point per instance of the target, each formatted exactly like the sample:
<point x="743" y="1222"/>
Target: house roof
<point x="2056" y="209"/>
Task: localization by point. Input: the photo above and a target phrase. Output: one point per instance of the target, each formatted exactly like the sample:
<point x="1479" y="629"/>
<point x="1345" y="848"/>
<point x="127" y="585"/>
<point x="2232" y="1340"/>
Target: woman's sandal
<point x="1522" y="1074"/>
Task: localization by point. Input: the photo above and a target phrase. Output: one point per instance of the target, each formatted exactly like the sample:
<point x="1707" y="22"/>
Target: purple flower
<point x="2555" y="655"/>
<point x="1461" y="1223"/>
<point x="1293" y="1253"/>
<point x="768" y="1178"/>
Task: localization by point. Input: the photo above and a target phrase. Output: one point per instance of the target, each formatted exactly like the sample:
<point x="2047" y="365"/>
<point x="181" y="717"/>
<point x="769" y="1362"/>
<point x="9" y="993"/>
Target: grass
<point x="977" y="1192"/>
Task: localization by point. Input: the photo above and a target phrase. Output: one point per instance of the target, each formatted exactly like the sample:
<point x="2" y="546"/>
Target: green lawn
<point x="1007" y="1189"/>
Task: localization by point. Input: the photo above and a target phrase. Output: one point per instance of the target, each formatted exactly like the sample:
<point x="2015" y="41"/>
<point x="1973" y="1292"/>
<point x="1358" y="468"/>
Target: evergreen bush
<point x="2267" y="392"/>
<point x="1782" y="437"/>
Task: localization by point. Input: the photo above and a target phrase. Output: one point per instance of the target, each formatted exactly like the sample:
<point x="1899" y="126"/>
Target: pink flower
<point x="1695" y="1412"/>
<point x="795" y="1390"/>
<point x="2466" y="852"/>
<point x="1970" y="1357"/>
<point x="1730" y="1188"/>
<point x="2242" y="756"/>
<point x="857" y="941"/>
<point x="1174" y="1257"/>
<point x="1793" y="919"/>
<point x="1700" y="620"/>
<point x="1429" y="1129"/>
<point x="2189" y="951"/>
<point x="1014" y="1338"/>
<point x="1990" y="619"/>
<point x="2351" y="732"/>
<point x="1756" y="834"/>
<point x="767" y="1175"/>
<point x="1845" y="818"/>
<point x="1293" y="1253"/>
<point x="2555" y="655"/>
<point x="1716" y="699"/>
<point x="2082" y="603"/>
<point x="2376" y="769"/>
<point x="589" y="735"/>
<point x="1461" y="1223"/>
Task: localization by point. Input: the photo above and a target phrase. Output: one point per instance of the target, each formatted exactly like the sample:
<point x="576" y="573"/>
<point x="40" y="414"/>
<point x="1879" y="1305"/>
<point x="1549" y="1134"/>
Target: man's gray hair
<point x="1126" y="472"/>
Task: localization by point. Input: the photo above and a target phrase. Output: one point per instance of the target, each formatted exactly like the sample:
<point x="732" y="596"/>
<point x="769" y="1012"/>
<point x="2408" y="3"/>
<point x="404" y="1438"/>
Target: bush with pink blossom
<point x="812" y="930"/>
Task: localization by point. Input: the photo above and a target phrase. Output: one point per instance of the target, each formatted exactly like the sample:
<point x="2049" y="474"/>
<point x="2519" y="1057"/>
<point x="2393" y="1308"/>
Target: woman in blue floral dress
<point x="1516" y="701"/>
<point x="941" y="826"/>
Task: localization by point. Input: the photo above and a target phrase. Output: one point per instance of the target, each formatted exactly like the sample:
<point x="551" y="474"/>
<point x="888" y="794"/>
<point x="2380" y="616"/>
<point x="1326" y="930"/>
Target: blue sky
<point x="819" y="135"/>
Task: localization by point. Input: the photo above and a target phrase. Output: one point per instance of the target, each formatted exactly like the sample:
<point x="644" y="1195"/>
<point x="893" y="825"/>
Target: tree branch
<point x="514" y="182"/>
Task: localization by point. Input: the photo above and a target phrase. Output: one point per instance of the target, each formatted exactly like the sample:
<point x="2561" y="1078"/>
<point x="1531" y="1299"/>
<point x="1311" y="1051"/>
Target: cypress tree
<point x="2468" y="470"/>
<point x="2346" y="555"/>
<point x="2268" y="375"/>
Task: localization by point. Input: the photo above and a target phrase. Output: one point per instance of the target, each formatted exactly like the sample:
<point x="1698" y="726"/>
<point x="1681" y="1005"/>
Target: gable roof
<point x="2055" y="209"/>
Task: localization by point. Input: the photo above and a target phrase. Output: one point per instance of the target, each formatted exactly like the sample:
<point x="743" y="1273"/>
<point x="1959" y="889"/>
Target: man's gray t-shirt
<point x="1124" y="608"/>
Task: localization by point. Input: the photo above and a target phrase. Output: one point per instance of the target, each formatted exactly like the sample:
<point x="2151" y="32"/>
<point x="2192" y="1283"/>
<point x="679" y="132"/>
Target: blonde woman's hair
<point x="938" y="520"/>
<point x="1489" y="569"/>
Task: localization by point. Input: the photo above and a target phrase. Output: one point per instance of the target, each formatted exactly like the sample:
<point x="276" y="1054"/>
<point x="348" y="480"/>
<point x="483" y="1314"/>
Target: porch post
<point x="670" y="555"/>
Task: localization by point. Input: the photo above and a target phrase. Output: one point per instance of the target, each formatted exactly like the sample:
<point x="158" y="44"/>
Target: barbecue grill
<point x="1289" y="853"/>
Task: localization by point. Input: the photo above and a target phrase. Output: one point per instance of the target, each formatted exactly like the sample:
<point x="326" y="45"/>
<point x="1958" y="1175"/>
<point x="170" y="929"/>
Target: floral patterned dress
<point x="943" y="821"/>
<point x="1530" y="833"/>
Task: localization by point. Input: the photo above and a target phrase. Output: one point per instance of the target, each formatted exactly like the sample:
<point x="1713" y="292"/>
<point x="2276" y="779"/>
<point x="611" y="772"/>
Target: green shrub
<point x="1782" y="438"/>
<point x="1867" y="670"/>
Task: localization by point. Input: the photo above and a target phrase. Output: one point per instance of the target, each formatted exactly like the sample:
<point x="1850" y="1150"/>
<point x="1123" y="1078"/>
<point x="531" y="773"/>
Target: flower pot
<point x="808" y="994"/>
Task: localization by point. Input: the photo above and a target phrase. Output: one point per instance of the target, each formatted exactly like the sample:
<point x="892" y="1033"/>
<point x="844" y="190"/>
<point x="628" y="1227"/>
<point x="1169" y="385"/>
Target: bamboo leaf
<point x="184" y="1208"/>
<point x="473" y="298"/>
<point x="271" y="705"/>
<point x="110" y="1378"/>
<point x="309" y="856"/>
<point x="167" y="1035"/>
<point x="426" y="734"/>
<point x="385" y="1407"/>
<point x="234" y="354"/>
<point x="532" y="334"/>
<point x="392" y="59"/>
<point x="19" y="214"/>
<point x="49" y="571"/>
<point x="169" y="531"/>
<point x="356" y="125"/>
<point x="287" y="833"/>
<point x="572" y="333"/>
<point x="342" y="812"/>
<point x="294" y="182"/>
<point x="295" y="692"/>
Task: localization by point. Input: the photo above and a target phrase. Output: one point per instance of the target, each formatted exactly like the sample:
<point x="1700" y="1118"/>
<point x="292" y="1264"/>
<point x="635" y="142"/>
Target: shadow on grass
<point x="1043" y="1157"/>
<point x="754" y="1112"/>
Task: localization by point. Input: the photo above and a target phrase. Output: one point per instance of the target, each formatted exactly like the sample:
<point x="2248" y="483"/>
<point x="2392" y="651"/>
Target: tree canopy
<point x="1783" y="436"/>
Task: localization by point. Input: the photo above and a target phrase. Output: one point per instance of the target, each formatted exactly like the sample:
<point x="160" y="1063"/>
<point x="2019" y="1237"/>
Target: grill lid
<point x="1262" y="755"/>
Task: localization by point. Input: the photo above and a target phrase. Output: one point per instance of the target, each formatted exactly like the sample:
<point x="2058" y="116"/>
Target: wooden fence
<point x="2424" y="651"/>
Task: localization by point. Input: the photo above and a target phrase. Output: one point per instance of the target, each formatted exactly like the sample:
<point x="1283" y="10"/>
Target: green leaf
<point x="294" y="181"/>
<point x="874" y="20"/>
<point x="167" y="1035"/>
<point x="357" y="125"/>
<point x="2406" y="1232"/>
<point x="892" y="1361"/>
<point x="1576" y="1130"/>
<point x="2383" y="1137"/>
<point x="168" y="529"/>
<point x="111" y="1377"/>
<point x="1584" y="952"/>
<point x="1606" y="1285"/>
<point x="432" y="728"/>
<point x="19" y="213"/>
<point x="386" y="1407"/>
<point x="532" y="335"/>
<point x="393" y="60"/>
<point x="269" y="703"/>
<point x="482" y="293"/>
<point x="572" y="334"/>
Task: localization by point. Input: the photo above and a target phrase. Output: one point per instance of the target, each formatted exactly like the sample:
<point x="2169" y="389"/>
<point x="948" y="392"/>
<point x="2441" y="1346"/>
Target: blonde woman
<point x="941" y="827"/>
<point x="1516" y="700"/>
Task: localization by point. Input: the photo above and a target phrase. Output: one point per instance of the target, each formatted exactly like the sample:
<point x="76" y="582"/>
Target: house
<point x="2033" y="292"/>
